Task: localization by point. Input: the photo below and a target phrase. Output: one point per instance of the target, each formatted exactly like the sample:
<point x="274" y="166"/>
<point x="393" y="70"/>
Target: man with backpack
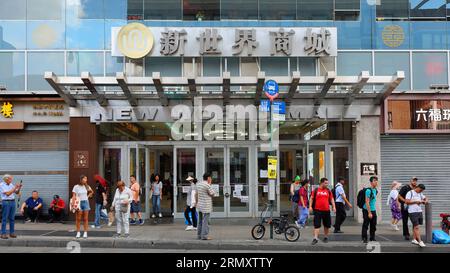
<point x="369" y="209"/>
<point x="402" y="199"/>
<point x="321" y="199"/>
<point x="341" y="200"/>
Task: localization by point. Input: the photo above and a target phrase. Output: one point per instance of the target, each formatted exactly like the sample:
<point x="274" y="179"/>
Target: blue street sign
<point x="279" y="107"/>
<point x="264" y="106"/>
<point x="271" y="89"/>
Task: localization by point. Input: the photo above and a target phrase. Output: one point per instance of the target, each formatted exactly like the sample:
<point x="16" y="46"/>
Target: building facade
<point x="146" y="86"/>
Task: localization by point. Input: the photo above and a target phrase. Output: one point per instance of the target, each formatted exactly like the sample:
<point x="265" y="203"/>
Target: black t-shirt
<point x="99" y="190"/>
<point x="403" y="191"/>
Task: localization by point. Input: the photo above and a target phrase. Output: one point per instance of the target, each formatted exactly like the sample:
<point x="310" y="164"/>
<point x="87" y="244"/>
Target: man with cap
<point x="56" y="210"/>
<point x="190" y="204"/>
<point x="401" y="198"/>
<point x="414" y="199"/>
<point x="294" y="196"/>
<point x="8" y="193"/>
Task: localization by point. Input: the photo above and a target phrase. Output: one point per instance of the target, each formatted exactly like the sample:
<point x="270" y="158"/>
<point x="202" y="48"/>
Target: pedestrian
<point x="294" y="196"/>
<point x="204" y="196"/>
<point x="100" y="201"/>
<point x="341" y="204"/>
<point x="190" y="204"/>
<point x="157" y="193"/>
<point x="414" y="200"/>
<point x="394" y="204"/>
<point x="56" y="210"/>
<point x="135" y="203"/>
<point x="8" y="195"/>
<point x="121" y="204"/>
<point x="303" y="205"/>
<point x="32" y="207"/>
<point x="401" y="197"/>
<point x="321" y="198"/>
<point x="370" y="210"/>
<point x="80" y="202"/>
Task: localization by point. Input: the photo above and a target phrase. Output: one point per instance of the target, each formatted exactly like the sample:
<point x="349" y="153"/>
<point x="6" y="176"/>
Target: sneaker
<point x="4" y="236"/>
<point x="298" y="225"/>
<point x="325" y="240"/>
<point x="189" y="228"/>
<point x="110" y="224"/>
<point x="415" y="242"/>
<point x="126" y="235"/>
<point x="50" y="221"/>
<point x="78" y="235"/>
<point x="153" y="216"/>
<point x="133" y="222"/>
<point x="173" y="214"/>
<point x="194" y="228"/>
<point x="85" y="235"/>
<point x="93" y="226"/>
<point x="160" y="215"/>
<point x="12" y="236"/>
<point x="422" y="244"/>
<point x="396" y="228"/>
<point x="338" y="231"/>
<point x="314" y="241"/>
<point x="364" y="240"/>
<point x="207" y="238"/>
<point x="117" y="235"/>
<point x="141" y="222"/>
<point x="28" y="221"/>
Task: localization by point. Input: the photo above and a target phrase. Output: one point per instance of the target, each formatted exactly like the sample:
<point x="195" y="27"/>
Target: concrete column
<point x="366" y="149"/>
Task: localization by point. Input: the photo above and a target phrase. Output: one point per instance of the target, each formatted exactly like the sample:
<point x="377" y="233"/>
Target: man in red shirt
<point x="56" y="210"/>
<point x="321" y="199"/>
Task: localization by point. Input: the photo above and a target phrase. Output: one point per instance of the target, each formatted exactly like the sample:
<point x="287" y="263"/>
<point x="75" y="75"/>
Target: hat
<point x="297" y="178"/>
<point x="414" y="178"/>
<point x="190" y="178"/>
<point x="55" y="196"/>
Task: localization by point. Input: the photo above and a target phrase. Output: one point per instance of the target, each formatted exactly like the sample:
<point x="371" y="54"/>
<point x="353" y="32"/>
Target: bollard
<point x="428" y="223"/>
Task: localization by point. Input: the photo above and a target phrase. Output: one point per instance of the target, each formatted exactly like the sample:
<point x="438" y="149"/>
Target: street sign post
<point x="272" y="176"/>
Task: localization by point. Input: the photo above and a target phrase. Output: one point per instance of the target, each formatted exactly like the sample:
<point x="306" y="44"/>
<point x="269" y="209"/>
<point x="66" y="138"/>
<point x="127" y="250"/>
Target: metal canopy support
<point x="259" y="86"/>
<point x="293" y="87"/>
<point x="156" y="76"/>
<point x="329" y="79"/>
<point x="87" y="80"/>
<point x="192" y="87"/>
<point x="397" y="78"/>
<point x="122" y="81"/>
<point x="226" y="87"/>
<point x="52" y="79"/>
<point x="356" y="89"/>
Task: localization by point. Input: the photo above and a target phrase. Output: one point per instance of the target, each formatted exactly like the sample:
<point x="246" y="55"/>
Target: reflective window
<point x="393" y="9"/>
<point x="275" y="66"/>
<point x="307" y="66"/>
<point x="428" y="34"/>
<point x="277" y="10"/>
<point x="116" y="9"/>
<point x="135" y="10"/>
<point x="113" y="64"/>
<point x="12" y="71"/>
<point x="434" y="9"/>
<point x="45" y="35"/>
<point x="45" y="9"/>
<point x="85" y="9"/>
<point x="134" y="67"/>
<point x="231" y="65"/>
<point x="85" y="34"/>
<point x="211" y="66"/>
<point x="346" y="10"/>
<point x="352" y="63"/>
<point x="239" y="9"/>
<point x="78" y="62"/>
<point x="38" y="64"/>
<point x="12" y="34"/>
<point x="388" y="63"/>
<point x="429" y="68"/>
<point x="249" y="66"/>
<point x="167" y="66"/>
<point x="201" y="10"/>
<point x="162" y="10"/>
<point x="315" y="9"/>
<point x="13" y="10"/>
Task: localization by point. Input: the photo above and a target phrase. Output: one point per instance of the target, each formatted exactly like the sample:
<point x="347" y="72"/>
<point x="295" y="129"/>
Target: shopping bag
<point x="440" y="237"/>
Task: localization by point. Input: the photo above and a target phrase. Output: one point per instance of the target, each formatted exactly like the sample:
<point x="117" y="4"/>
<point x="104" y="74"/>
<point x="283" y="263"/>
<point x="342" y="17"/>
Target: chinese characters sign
<point x="433" y="115"/>
<point x="228" y="42"/>
<point x="7" y="110"/>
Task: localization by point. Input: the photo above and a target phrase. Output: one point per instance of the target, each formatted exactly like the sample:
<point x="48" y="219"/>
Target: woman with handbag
<point x="80" y="204"/>
<point x="121" y="204"/>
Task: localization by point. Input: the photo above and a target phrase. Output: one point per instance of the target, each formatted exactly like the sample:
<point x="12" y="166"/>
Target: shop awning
<point x="225" y="88"/>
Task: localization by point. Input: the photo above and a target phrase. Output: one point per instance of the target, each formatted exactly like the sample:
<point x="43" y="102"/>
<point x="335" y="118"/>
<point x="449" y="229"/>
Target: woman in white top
<point x="80" y="204"/>
<point x="394" y="204"/>
<point x="156" y="190"/>
<point x="121" y="204"/>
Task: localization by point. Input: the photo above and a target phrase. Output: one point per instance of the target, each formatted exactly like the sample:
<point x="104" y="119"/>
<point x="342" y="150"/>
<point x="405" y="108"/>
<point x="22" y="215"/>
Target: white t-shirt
<point x="392" y="196"/>
<point x="414" y="196"/>
<point x="81" y="192"/>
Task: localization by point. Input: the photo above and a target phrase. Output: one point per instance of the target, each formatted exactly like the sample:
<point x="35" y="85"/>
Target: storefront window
<point x="352" y="63"/>
<point x="307" y="66"/>
<point x="7" y="6"/>
<point x="167" y="66"/>
<point x="388" y="63"/>
<point x="162" y="10"/>
<point x="113" y="64"/>
<point x="12" y="34"/>
<point x="201" y="10"/>
<point x="275" y="66"/>
<point x="430" y="10"/>
<point x="279" y="10"/>
<point x="45" y="9"/>
<point x="38" y="64"/>
<point x="12" y="71"/>
<point x="315" y="9"/>
<point x="116" y="9"/>
<point x="239" y="9"/>
<point x="78" y="62"/>
<point x="429" y="69"/>
<point x="393" y="9"/>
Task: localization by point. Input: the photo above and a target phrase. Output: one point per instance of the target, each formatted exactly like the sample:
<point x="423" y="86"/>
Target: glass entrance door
<point x="215" y="165"/>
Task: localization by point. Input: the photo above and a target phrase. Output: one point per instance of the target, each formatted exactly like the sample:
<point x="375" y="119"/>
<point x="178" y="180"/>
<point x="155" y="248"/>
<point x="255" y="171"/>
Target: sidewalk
<point x="227" y="234"/>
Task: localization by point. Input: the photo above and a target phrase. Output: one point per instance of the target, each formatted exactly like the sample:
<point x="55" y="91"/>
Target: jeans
<point x="122" y="221"/>
<point x="203" y="225"/>
<point x="31" y="214"/>
<point x="56" y="215"/>
<point x="294" y="208"/>
<point x="193" y="214"/>
<point x="156" y="203"/>
<point x="99" y="215"/>
<point x="8" y="214"/>
<point x="405" y="215"/>
<point x="303" y="214"/>
<point x="372" y="222"/>
<point x="340" y="215"/>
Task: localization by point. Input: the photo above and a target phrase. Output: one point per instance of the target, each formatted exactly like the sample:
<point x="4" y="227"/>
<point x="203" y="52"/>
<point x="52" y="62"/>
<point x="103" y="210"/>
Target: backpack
<point x="296" y="197"/>
<point x="315" y="195"/>
<point x="361" y="198"/>
<point x="333" y="191"/>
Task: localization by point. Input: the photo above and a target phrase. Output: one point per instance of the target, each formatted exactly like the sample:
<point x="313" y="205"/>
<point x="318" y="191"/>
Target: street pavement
<point x="168" y="235"/>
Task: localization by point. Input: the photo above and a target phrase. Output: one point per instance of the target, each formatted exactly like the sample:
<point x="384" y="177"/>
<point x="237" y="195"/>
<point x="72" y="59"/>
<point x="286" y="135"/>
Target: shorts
<point x="135" y="207"/>
<point x="84" y="205"/>
<point x="416" y="218"/>
<point x="322" y="217"/>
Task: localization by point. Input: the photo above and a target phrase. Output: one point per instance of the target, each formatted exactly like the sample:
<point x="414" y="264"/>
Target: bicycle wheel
<point x="292" y="233"/>
<point x="258" y="232"/>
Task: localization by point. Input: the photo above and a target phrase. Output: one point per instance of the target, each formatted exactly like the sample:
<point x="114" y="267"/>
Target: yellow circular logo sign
<point x="135" y="40"/>
<point x="393" y="36"/>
